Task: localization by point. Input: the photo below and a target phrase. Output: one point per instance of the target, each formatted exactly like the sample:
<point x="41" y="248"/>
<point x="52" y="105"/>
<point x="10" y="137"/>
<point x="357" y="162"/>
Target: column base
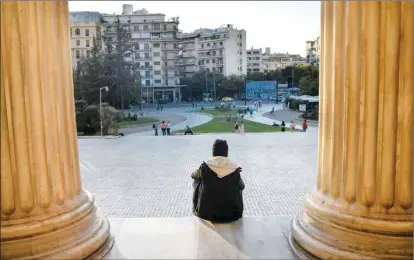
<point x="81" y="233"/>
<point x="317" y="235"/>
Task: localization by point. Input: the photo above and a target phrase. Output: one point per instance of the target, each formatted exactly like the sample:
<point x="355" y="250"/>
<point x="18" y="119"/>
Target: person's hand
<point x="240" y="169"/>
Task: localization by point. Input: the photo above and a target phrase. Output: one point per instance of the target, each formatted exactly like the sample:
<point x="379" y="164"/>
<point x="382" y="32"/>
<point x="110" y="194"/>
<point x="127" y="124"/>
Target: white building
<point x="221" y="50"/>
<point x="84" y="27"/>
<point x="254" y="60"/>
<point x="154" y="48"/>
<point x="313" y="51"/>
<point x="258" y="61"/>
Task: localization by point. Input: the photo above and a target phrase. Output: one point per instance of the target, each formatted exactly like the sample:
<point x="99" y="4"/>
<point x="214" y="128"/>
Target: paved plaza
<point x="147" y="176"/>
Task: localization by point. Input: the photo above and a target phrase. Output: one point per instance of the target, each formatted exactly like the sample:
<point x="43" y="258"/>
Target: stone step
<point x="193" y="238"/>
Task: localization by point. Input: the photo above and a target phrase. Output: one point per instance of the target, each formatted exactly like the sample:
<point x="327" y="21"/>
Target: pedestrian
<point x="283" y="125"/>
<point x="273" y="111"/>
<point x="251" y="112"/>
<point x="292" y="126"/>
<point x="161" y="107"/>
<point x="154" y="126"/>
<point x="163" y="127"/>
<point x="241" y="127"/>
<point x="304" y="125"/>
<point x="236" y="127"/>
<point x="168" y="128"/>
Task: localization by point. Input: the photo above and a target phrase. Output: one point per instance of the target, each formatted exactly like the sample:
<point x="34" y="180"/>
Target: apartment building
<point x="313" y="51"/>
<point x="221" y="50"/>
<point x="255" y="60"/>
<point x="258" y="61"/>
<point x="154" y="49"/>
<point x="84" y="27"/>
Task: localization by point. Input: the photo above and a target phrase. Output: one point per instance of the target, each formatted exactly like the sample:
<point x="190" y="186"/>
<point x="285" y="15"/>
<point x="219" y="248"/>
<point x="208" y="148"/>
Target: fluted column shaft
<point x="363" y="194"/>
<point x="40" y="178"/>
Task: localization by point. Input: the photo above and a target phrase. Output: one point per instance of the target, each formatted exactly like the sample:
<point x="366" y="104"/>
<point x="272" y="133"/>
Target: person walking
<point x="292" y="126"/>
<point x="236" y="127"/>
<point x="168" y="128"/>
<point x="241" y="127"/>
<point x="283" y="126"/>
<point x="304" y="125"/>
<point x="155" y="127"/>
<point x="161" y="107"/>
<point x="163" y="127"/>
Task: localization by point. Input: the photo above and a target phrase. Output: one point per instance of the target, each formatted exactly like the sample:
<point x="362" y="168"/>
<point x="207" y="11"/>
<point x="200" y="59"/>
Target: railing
<point x="141" y="50"/>
<point x="143" y="58"/>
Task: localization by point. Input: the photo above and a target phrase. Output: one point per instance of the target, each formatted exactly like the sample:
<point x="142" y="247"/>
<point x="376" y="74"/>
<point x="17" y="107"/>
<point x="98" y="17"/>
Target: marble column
<point x="45" y="213"/>
<point x="361" y="206"/>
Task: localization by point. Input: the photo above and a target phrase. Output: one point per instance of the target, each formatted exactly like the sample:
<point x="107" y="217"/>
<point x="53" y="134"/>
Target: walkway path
<point x="173" y="118"/>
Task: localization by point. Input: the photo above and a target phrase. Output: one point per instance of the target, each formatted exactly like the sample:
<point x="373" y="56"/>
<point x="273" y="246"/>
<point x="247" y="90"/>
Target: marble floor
<point x="193" y="238"/>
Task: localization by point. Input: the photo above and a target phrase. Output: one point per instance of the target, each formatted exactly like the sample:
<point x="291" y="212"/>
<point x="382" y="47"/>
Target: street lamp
<point x="100" y="104"/>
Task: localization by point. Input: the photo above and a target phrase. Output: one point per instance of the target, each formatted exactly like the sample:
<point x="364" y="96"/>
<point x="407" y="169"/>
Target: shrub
<point x="135" y="117"/>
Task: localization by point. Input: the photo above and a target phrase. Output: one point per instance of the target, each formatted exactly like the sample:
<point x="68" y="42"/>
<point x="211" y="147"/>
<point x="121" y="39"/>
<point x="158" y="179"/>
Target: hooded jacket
<point x="218" y="191"/>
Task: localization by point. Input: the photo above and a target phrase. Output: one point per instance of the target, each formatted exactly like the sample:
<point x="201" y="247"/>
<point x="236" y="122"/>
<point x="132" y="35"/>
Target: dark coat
<point x="217" y="199"/>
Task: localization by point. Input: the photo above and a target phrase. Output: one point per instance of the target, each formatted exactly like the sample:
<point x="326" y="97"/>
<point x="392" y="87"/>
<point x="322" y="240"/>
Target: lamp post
<point x="100" y="104"/>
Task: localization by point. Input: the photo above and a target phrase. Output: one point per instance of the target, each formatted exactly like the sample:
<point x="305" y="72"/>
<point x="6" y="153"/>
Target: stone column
<point x="45" y="213"/>
<point x="361" y="206"/>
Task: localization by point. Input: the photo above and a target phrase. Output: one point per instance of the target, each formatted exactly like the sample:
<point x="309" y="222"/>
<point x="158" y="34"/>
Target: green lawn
<point x="221" y="125"/>
<point x="216" y="112"/>
<point x="140" y="121"/>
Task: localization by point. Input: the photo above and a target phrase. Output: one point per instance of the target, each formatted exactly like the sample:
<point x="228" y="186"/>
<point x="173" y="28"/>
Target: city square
<point x="134" y="135"/>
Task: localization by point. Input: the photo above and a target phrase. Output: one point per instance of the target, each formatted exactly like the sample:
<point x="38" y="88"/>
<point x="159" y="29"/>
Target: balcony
<point x="150" y="76"/>
<point x="146" y="67"/>
<point x="143" y="50"/>
<point x="143" y="58"/>
<point x="170" y="57"/>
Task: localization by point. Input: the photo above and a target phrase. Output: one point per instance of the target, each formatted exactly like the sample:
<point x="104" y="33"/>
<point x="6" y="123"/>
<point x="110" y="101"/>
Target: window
<point x="147" y="74"/>
<point x="221" y="52"/>
<point x="137" y="56"/>
<point x="87" y="32"/>
<point x="77" y="42"/>
<point x="157" y="63"/>
<point x="165" y="27"/>
<point x="175" y="27"/>
<point x="136" y="46"/>
<point x="87" y="43"/>
<point x="136" y="28"/>
<point x="145" y="27"/>
<point x="156" y="26"/>
<point x="147" y="64"/>
<point x="77" y="54"/>
<point x="147" y="82"/>
<point x="77" y="31"/>
<point x="138" y="63"/>
<point x="165" y="64"/>
<point x="207" y="61"/>
<point x="157" y="54"/>
<point x="88" y="53"/>
<point x="202" y="46"/>
<point x="208" y="44"/>
<point x="213" y="61"/>
<point x="157" y="72"/>
<point x="214" y="53"/>
<point x="208" y="70"/>
<point x="221" y="43"/>
<point x="156" y="45"/>
<point x="127" y="55"/>
<point x="146" y="46"/>
<point x="175" y="46"/>
<point x="70" y="32"/>
<point x="147" y="55"/>
<point x="157" y="81"/>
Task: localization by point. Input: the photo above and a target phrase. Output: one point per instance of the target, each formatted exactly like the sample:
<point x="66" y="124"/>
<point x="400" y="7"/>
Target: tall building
<point x="254" y="60"/>
<point x="84" y="27"/>
<point x="313" y="51"/>
<point x="221" y="50"/>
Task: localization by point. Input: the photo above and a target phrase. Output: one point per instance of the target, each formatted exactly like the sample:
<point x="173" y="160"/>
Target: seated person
<point x="218" y="187"/>
<point x="188" y="130"/>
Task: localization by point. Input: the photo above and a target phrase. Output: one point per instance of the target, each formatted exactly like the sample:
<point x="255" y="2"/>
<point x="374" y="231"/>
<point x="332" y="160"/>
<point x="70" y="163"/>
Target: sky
<point x="284" y="26"/>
